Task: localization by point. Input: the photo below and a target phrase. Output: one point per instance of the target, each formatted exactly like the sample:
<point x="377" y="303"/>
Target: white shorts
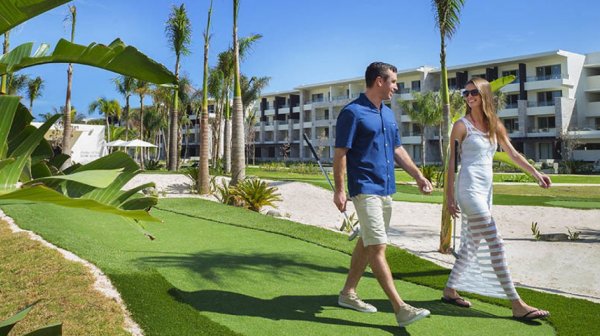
<point x="374" y="213"/>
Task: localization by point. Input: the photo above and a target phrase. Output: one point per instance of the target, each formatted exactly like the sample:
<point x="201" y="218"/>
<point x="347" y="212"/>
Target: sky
<point x="306" y="41"/>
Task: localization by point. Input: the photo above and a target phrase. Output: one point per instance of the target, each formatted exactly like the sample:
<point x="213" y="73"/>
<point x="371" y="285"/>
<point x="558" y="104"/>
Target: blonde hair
<point x="488" y="107"/>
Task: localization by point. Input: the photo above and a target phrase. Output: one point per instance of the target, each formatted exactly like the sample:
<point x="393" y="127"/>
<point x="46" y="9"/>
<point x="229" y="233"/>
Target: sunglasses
<point x="474" y="93"/>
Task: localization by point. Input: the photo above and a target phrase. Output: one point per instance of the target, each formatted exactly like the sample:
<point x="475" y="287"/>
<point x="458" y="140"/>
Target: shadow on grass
<point x="215" y="266"/>
<point x="305" y="308"/>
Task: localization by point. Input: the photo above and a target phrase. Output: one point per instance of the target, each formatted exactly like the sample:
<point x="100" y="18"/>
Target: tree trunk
<point x="173" y="127"/>
<point x="441" y="145"/>
<point x="423" y="160"/>
<point x="67" y="131"/>
<point x="142" y="151"/>
<point x="5" y="49"/>
<point x="238" y="167"/>
<point x="126" y="118"/>
<point x="446" y="220"/>
<point x="227" y="146"/>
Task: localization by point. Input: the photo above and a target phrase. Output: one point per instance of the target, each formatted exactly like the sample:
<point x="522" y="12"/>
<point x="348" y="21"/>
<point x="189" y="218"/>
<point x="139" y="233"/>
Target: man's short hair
<point x="377" y="69"/>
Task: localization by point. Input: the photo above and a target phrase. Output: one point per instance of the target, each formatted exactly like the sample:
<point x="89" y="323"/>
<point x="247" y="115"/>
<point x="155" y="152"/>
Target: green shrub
<point x="192" y="174"/>
<point x="153" y="165"/>
<point x="228" y="195"/>
<point x="255" y="194"/>
<point x="305" y="168"/>
<point x="273" y="166"/>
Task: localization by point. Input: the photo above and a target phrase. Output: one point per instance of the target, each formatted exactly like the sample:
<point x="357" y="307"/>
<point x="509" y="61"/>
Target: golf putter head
<point x="354" y="234"/>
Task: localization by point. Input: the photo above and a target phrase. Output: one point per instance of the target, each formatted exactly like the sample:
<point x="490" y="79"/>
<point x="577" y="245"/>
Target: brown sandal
<point x="460" y="302"/>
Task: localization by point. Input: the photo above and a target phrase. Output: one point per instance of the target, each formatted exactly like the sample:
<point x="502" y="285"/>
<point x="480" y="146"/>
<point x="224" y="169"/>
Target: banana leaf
<point x="42" y="194"/>
<point x="116" y="57"/>
<point x="501" y="82"/>
<point x="10" y="174"/>
<point x="8" y="109"/>
<point x="51" y="330"/>
<point x="94" y="178"/>
<point x="15" y="12"/>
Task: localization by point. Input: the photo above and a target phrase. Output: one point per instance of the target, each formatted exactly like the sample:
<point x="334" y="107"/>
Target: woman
<point x="481" y="264"/>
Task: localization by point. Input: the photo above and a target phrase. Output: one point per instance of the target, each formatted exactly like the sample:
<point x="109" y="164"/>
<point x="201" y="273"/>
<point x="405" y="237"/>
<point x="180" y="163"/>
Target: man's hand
<point x="339" y="198"/>
<point x="424" y="185"/>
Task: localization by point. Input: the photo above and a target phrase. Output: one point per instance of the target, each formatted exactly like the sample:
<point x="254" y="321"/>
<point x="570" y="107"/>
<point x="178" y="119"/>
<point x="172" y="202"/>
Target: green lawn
<point x="577" y="197"/>
<point x="218" y="270"/>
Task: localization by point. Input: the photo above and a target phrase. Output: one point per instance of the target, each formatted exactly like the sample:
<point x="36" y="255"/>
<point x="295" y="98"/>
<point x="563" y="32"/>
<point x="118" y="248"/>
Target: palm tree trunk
<point x="203" y="186"/>
<point x="238" y="167"/>
<point x="227" y="145"/>
<point x="142" y="131"/>
<point x="446" y="224"/>
<point x="5" y="49"/>
<point x="107" y="127"/>
<point x="173" y="125"/>
<point x="423" y="160"/>
<point x="126" y="117"/>
<point x="67" y="130"/>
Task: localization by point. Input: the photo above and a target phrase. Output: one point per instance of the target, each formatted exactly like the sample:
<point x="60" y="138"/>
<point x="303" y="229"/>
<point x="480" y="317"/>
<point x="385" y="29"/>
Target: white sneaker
<point x="352" y="301"/>
<point x="409" y="314"/>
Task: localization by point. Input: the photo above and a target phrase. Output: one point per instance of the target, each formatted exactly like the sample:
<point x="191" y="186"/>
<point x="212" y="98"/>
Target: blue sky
<point x="308" y="41"/>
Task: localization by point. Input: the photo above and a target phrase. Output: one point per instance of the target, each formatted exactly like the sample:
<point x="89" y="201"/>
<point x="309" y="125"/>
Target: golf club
<point x="355" y="230"/>
<point x="454" y="253"/>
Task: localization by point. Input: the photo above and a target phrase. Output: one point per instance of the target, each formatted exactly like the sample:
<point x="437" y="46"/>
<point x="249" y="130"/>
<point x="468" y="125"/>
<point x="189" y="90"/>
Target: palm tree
<point x="203" y="186"/>
<point x="110" y="108"/>
<point x="142" y="88"/>
<point x="17" y="83"/>
<point x="250" y="93"/>
<point x="5" y="49"/>
<point x="217" y="90"/>
<point x="227" y="65"/>
<point x="67" y="131"/>
<point x="125" y="86"/>
<point x="238" y="166"/>
<point x="424" y="111"/>
<point x="34" y="90"/>
<point x="179" y="34"/>
<point x="447" y="18"/>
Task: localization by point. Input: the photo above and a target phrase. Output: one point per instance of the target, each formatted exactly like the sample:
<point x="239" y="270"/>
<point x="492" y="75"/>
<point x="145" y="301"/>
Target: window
<point x="512" y="101"/>
<point x="597" y="123"/>
<point x="548" y="72"/>
<point x="547" y="98"/>
<point x="511" y="124"/>
<point x="416" y="130"/>
<point x="415" y="85"/>
<point x="416" y="152"/>
<point x="545" y="150"/>
<point x="478" y="76"/>
<point x="405" y="129"/>
<point x="511" y="72"/>
<point x="544" y="123"/>
<point x="452" y="83"/>
<point x="400" y="86"/>
<point x="316" y="97"/>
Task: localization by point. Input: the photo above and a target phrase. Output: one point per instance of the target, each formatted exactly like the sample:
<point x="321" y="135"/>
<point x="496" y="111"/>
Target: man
<point x="367" y="144"/>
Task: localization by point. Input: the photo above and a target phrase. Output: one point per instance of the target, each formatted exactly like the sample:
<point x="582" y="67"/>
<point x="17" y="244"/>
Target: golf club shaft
<point x="312" y="149"/>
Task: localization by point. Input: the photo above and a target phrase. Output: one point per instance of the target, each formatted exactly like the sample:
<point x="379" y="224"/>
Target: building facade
<point x="555" y="98"/>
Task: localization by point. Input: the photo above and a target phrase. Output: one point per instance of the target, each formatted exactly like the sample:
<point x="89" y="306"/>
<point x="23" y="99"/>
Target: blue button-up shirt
<point x="371" y="136"/>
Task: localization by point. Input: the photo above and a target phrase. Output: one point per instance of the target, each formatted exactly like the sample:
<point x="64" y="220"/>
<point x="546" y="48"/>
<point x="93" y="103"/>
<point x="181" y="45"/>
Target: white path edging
<point x="101" y="282"/>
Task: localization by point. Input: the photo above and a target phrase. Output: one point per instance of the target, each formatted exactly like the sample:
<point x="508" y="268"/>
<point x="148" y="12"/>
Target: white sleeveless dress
<point x="481" y="266"/>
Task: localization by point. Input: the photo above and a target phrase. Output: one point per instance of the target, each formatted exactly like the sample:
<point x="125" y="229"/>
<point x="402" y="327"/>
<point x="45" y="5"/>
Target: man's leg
<point x="381" y="269"/>
<point x="358" y="265"/>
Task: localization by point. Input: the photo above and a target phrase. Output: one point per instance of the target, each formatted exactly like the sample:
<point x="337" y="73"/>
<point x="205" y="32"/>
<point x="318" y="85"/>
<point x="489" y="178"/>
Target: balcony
<point x="269" y="112"/>
<point x="556" y="81"/>
<point x="593" y="110"/>
<point x="405" y="94"/>
<point x="541" y="108"/>
<point x="411" y="140"/>
<point x="593" y="84"/>
<point x="541" y="132"/>
<point x="511" y="110"/>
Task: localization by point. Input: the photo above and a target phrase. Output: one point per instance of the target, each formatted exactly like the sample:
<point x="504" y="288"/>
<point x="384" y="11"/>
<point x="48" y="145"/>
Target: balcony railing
<point x="546" y="77"/>
<point x="512" y="106"/>
<point x="541" y="130"/>
<point x="540" y="103"/>
<point x="404" y="90"/>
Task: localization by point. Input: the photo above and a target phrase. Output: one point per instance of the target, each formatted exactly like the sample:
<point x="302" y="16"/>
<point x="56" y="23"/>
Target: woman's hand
<point x="453" y="208"/>
<point x="544" y="181"/>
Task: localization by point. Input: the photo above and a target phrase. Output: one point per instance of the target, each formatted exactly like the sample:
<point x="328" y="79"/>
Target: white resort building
<point x="555" y="93"/>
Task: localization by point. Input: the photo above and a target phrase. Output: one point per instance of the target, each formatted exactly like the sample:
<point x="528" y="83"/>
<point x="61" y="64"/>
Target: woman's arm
<point x="459" y="131"/>
<point x="516" y="157"/>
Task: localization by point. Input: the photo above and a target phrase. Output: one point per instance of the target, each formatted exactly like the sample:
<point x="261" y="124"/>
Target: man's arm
<point x="339" y="172"/>
<point x="402" y="158"/>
